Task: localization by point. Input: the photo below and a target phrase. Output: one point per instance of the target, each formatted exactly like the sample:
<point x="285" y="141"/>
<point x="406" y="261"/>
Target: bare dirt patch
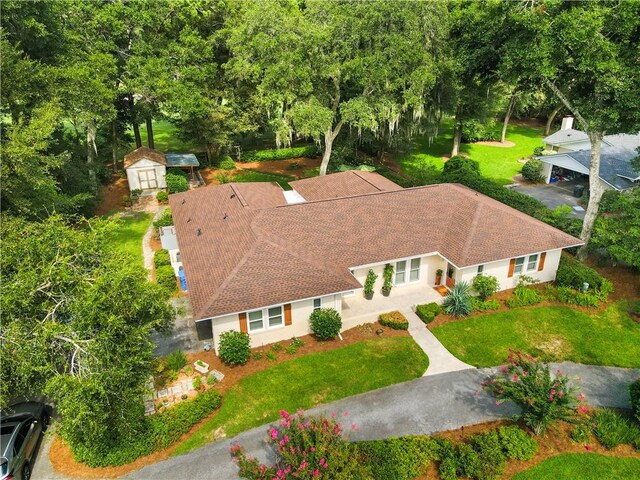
<point x="60" y="453"/>
<point x="111" y="195"/>
<point x="556" y="441"/>
<point x="490" y="143"/>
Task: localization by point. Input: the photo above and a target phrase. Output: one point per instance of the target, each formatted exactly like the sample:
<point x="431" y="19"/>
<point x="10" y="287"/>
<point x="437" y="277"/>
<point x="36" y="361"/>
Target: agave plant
<point x="458" y="300"/>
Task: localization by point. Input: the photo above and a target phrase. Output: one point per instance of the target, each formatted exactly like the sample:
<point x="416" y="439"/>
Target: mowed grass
<point x="312" y="380"/>
<point x="166" y="138"/>
<point x="255" y="176"/>
<point x="497" y="163"/>
<point x="583" y="466"/>
<point x="551" y="333"/>
<point x="127" y="236"/>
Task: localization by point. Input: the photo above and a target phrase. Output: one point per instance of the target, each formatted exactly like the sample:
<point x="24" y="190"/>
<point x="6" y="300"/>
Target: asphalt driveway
<point x="554" y="194"/>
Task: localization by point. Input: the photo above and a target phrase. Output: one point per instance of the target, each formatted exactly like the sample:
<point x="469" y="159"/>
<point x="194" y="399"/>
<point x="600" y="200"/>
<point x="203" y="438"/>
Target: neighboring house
<point x="146" y="168"/>
<point x="260" y="260"/>
<point x="574" y="156"/>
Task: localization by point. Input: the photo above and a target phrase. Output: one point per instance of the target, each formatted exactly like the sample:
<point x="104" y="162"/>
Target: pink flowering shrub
<point x="543" y="399"/>
<point x="307" y="449"/>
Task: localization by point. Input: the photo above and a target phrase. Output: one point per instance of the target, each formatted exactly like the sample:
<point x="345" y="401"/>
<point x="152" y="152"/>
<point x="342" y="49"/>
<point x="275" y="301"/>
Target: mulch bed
<point x="111" y="195"/>
<point x="62" y="459"/>
<point x="278" y="167"/>
<point x="556" y="441"/>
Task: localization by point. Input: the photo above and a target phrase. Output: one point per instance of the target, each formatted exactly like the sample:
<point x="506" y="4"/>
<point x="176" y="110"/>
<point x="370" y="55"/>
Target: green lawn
<point x="583" y="466"/>
<point x="312" y="380"/>
<point x="166" y="138"/>
<point x="551" y="333"/>
<point x="498" y="163"/>
<point x="254" y="176"/>
<point x="127" y="237"/>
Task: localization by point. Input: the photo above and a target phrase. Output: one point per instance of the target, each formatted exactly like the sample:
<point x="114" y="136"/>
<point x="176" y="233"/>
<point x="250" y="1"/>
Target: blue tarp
<point x="183" y="279"/>
<point x="181" y="160"/>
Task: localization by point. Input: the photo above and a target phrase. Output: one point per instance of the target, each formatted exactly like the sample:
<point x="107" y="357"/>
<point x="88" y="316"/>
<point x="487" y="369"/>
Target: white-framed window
<point x="275" y="317"/>
<point x="532" y="264"/>
<point x="480" y="269"/>
<point x="519" y="265"/>
<point x="401" y="272"/>
<point x="255" y="320"/>
<point x="317" y="304"/>
<point x="414" y="273"/>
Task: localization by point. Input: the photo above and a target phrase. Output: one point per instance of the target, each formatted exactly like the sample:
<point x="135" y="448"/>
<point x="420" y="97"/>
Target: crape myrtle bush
<point x="279" y="154"/>
<point x="467" y="171"/>
<point x="543" y="399"/>
<point x="306" y="448"/>
<point x="395" y="320"/>
<point x="326" y="323"/>
<point x="234" y="347"/>
<point x="155" y="433"/>
<point x="428" y="311"/>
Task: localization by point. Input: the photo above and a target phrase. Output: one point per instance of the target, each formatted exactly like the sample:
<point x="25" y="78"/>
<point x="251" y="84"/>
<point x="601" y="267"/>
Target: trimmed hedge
<point x="159" y="431"/>
<point x="402" y="458"/>
<point x="634" y="391"/>
<point x="279" y="154"/>
<point x="395" y="320"/>
<point x="162" y="197"/>
<point x="235" y="347"/>
<point x="517" y="444"/>
<point x="161" y="258"/>
<point x="428" y="311"/>
<point x="165" y="219"/>
<point x="532" y="171"/>
<point x="166" y="277"/>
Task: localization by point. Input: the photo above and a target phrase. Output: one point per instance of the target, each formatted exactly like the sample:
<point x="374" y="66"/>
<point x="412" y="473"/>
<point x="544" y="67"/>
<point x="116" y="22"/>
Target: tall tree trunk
<point x="136" y="133"/>
<point x="329" y="137"/>
<point x="134" y="122"/>
<point x="114" y="145"/>
<point x="551" y="118"/>
<point x="92" y="152"/>
<point x="595" y="192"/>
<point x="149" y="121"/>
<point x="457" y="136"/>
<point x="507" y="117"/>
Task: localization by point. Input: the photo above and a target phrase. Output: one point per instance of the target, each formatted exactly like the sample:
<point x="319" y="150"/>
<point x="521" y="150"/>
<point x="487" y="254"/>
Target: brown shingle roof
<point x="266" y="252"/>
<point x="343" y="184"/>
<point x="144" y="153"/>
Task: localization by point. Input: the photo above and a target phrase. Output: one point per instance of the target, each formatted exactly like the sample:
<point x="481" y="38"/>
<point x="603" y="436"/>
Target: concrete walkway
<point x="426" y="405"/>
<point x="440" y="359"/>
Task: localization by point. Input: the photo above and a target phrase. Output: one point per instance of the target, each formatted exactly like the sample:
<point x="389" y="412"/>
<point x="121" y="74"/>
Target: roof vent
<point x="199" y="232"/>
<point x="189" y="220"/>
<point x="184" y="200"/>
<point x="225" y="216"/>
<point x="233" y="195"/>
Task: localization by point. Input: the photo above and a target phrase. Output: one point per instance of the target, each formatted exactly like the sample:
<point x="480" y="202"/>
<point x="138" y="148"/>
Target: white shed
<point x="146" y="169"/>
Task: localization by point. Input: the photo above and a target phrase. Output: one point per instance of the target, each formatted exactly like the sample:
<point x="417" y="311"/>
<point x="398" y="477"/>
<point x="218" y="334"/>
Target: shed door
<point x="147" y="179"/>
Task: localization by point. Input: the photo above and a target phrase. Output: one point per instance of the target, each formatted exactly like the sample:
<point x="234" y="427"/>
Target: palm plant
<point x="458" y="300"/>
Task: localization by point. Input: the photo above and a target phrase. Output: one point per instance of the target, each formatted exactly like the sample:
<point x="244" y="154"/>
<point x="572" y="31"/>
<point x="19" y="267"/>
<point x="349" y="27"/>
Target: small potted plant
<point x="439" y="273"/>
<point x="201" y="366"/>
<point x="387" y="276"/>
<point x="369" y="283"/>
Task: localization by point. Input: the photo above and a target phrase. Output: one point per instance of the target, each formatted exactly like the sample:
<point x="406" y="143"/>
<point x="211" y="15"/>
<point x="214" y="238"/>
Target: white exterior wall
<point x="132" y="173"/>
<point x="500" y="270"/>
<point x="300" y="312"/>
<point x="428" y="266"/>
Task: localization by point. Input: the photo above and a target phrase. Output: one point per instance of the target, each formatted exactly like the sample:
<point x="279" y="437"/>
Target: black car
<point x="21" y="428"/>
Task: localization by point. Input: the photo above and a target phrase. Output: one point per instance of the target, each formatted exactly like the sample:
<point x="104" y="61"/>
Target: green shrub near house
<point x="164" y="220"/>
<point x="326" y="323"/>
<point x="162" y="197"/>
<point x="234" y="347"/>
<point x="428" y="311"/>
<point x="166" y="277"/>
<point x="484" y="306"/>
<point x="485" y="285"/>
<point x="395" y="320"/>
<point x="176" y="182"/>
<point x="573" y="273"/>
<point x="532" y="171"/>
<point x="458" y="301"/>
<point x="161" y="258"/>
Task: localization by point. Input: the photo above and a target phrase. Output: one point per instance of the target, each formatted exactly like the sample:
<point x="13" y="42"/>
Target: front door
<point x="147" y="179"/>
<point x="451" y="281"/>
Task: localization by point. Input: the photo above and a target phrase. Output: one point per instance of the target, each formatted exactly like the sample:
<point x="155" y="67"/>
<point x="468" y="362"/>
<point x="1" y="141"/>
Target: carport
<point x="561" y="167"/>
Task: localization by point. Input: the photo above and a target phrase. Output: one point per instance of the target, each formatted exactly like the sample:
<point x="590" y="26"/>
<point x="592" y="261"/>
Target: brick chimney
<point x="567" y="123"/>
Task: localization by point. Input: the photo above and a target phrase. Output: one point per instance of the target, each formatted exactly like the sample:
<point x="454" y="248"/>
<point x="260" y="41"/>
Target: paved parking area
<point x="554" y="194"/>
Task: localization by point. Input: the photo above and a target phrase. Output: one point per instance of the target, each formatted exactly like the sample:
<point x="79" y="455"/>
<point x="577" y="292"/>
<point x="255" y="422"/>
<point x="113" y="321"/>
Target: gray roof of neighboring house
<point x="181" y="160"/>
<point x="615" y="159"/>
<point x="566" y="136"/>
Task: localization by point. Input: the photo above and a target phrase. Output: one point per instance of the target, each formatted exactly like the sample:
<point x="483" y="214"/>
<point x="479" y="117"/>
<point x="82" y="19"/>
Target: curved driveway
<point x="426" y="405"/>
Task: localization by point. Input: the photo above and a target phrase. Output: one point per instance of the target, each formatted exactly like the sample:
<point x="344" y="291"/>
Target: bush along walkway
<point x="426" y="405"/>
<point x="440" y="359"/>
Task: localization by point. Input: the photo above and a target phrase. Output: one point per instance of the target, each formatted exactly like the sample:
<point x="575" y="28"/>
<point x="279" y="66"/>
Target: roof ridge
<point x="360" y="176"/>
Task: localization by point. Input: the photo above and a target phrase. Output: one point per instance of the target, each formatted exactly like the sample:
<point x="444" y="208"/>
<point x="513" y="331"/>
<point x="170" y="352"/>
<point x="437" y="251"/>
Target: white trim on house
<point x="393" y="260"/>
